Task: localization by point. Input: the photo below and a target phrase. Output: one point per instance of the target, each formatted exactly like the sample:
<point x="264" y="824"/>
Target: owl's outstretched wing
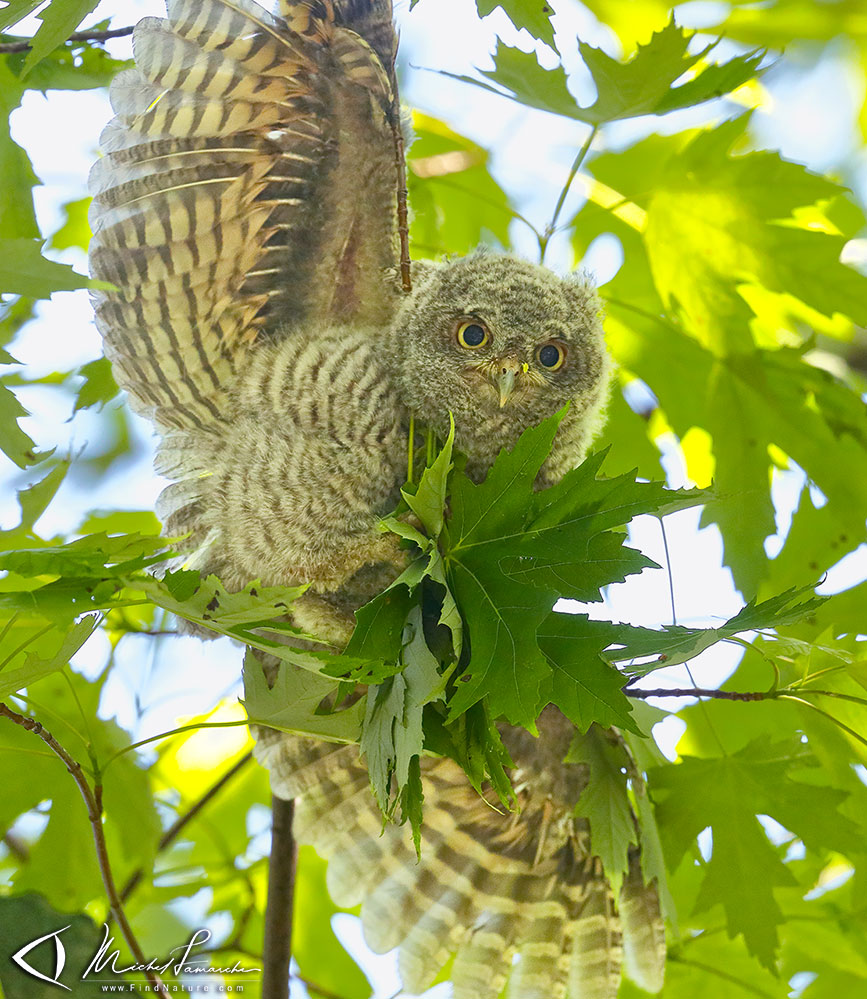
<point x="248" y="182"/>
<point x="519" y="901"/>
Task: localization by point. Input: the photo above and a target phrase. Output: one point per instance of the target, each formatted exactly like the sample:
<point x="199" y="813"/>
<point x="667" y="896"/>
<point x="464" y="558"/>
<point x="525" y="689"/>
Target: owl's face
<point x="500" y="343"/>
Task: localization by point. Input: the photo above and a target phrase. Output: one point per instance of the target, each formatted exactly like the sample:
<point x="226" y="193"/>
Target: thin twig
<point x="551" y="228"/>
<point x="402" y="193"/>
<point x="278" y="909"/>
<point x="76" y="36"/>
<point x="723" y="695"/>
<point x="94" y="814"/>
<point x="174" y="830"/>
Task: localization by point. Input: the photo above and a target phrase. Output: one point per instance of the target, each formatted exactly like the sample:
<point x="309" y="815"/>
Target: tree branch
<point x="94" y="813"/>
<point x="401" y="193"/>
<point x="76" y="36"/>
<point x="174" y="830"/>
<point x="278" y="910"/>
<point x="723" y="695"/>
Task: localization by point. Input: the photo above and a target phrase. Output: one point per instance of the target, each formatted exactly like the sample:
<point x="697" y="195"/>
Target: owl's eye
<point x="551" y="355"/>
<point x="472" y="335"/>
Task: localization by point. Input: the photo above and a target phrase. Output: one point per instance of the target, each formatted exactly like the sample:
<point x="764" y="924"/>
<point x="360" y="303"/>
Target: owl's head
<point x="501" y="344"/>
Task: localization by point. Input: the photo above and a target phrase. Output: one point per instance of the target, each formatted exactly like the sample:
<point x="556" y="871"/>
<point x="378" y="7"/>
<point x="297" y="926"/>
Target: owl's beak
<point x="506" y="385"/>
<point x="504" y="379"/>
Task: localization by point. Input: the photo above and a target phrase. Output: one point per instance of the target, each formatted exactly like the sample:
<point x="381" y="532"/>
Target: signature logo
<point x="59" y="958"/>
<point x="107" y="957"/>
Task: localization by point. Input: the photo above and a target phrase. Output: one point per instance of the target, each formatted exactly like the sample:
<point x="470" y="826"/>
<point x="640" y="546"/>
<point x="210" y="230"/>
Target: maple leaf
<point x="727" y="794"/>
<point x="643" y="85"/>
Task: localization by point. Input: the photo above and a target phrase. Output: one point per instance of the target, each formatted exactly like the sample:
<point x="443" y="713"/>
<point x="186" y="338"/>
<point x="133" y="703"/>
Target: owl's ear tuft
<point x="584" y="281"/>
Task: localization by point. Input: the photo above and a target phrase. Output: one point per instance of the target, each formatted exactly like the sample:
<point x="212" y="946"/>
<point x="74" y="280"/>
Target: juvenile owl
<point x="246" y="209"/>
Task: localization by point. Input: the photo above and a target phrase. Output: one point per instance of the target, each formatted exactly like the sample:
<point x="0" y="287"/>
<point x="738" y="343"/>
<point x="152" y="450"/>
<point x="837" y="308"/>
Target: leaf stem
<point x="830" y="717"/>
<point x="172" y="731"/>
<point x="724" y="975"/>
<point x="752" y="647"/>
<point x="27" y="641"/>
<point x="834" y="693"/>
<point x="410" y="448"/>
<point x="551" y="228"/>
<point x="818" y="673"/>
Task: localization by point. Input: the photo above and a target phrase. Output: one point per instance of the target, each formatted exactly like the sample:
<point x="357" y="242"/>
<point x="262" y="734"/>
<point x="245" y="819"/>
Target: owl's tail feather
<point x="208" y="202"/>
<point x="643" y="931"/>
<point x="538" y="929"/>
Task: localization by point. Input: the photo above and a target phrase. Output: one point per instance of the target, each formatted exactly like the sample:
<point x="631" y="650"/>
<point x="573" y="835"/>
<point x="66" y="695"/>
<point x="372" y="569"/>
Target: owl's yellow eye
<point x="472" y="334"/>
<point x="551" y="355"/>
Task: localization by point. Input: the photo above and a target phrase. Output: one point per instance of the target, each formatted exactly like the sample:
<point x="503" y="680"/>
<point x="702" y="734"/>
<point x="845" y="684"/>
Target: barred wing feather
<point x="247" y="183"/>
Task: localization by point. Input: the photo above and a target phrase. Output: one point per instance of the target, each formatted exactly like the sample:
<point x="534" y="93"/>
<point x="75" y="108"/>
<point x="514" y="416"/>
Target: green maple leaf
<point x="748" y="402"/>
<point x="510" y="553"/>
<point x="604" y="802"/>
<point x="59" y="20"/>
<point x="502" y="615"/>
<point x="456" y="202"/>
<point x="392" y="738"/>
<point x="711" y="376"/>
<point x="644" y="84"/>
<point x="379" y="623"/>
<point x="24" y="271"/>
<point x="292" y="704"/>
<point x="36" y="653"/>
<point x="14" y="443"/>
<point x="607" y="560"/>
<point x="427" y="501"/>
<point x="641" y="86"/>
<point x="675" y="644"/>
<point x="583" y="685"/>
<point x="474" y="742"/>
<point x="570" y="516"/>
<point x="534" y="15"/>
<point x="95" y="555"/>
<point x="727" y="794"/>
<point x="715" y="221"/>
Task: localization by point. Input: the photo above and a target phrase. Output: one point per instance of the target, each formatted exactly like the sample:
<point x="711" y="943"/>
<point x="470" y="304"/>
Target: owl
<point x="266" y="319"/>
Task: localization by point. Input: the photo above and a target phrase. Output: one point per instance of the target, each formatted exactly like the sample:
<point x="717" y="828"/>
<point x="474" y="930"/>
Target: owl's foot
<point x="328" y="608"/>
<point x="323" y="619"/>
